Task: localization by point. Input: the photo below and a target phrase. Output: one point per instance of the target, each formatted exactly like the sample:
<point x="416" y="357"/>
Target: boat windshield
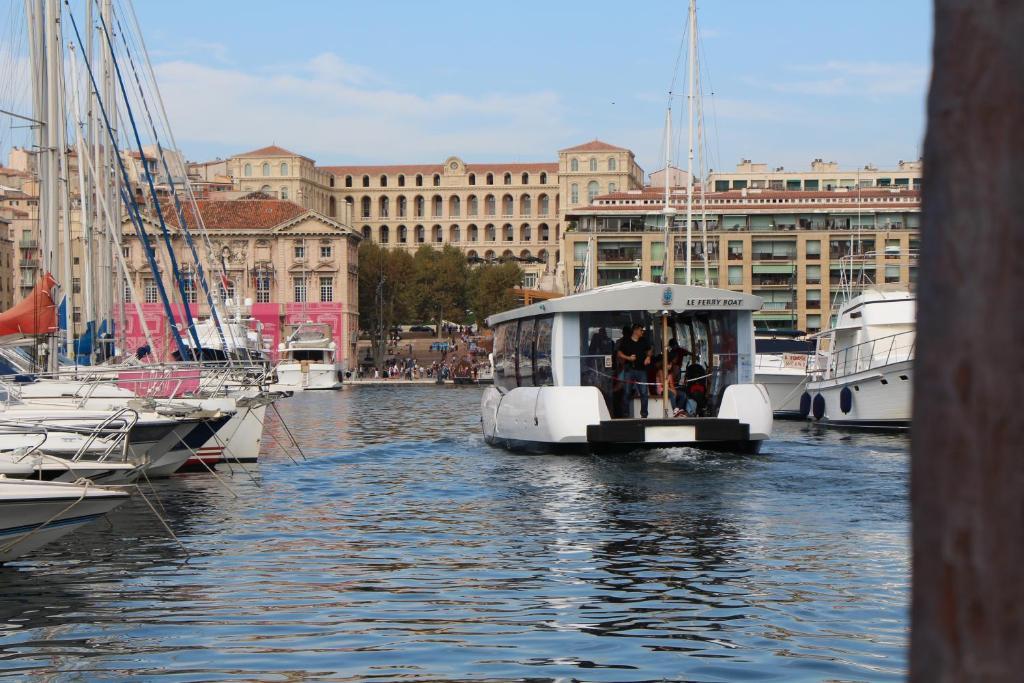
<point x="310" y="333"/>
<point x="700" y="340"/>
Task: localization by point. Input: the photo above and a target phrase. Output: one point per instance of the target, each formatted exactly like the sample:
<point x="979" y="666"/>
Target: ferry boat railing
<point x="865" y="356"/>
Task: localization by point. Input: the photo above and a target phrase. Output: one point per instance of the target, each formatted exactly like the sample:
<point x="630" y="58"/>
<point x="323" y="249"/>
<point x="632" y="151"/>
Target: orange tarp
<point x="35" y="314"/>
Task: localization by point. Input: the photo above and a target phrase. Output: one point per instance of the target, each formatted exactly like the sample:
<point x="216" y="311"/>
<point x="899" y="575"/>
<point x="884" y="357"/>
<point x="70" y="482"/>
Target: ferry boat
<point x="556" y="379"/>
<point x="308" y="359"/>
<point x="862" y="371"/>
<point x="780" y="365"/>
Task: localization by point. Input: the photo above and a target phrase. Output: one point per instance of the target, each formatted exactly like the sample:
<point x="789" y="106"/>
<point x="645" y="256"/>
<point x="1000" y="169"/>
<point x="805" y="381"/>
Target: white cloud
<point x="839" y="78"/>
<point x="337" y="112"/>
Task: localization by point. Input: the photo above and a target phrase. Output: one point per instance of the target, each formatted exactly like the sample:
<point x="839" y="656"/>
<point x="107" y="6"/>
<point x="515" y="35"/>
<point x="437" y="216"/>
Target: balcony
<point x="777" y="305"/>
<point x="772" y="282"/>
<point x="769" y="256"/>
<point x="29" y="244"/>
<point x="28" y="263"/>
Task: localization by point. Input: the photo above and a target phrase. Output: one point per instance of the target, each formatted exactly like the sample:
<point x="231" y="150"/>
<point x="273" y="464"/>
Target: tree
<point x="384" y="293"/>
<point x="490" y="289"/>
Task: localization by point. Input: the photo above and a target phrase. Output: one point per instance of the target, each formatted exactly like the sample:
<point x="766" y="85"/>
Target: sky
<point x="783" y="82"/>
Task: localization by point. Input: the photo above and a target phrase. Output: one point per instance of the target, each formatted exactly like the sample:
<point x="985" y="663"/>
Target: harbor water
<point x="401" y="547"/>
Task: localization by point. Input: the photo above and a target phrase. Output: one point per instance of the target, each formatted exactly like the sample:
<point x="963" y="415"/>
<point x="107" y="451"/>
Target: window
<point x="508" y="179"/>
<point x="490" y="206"/>
<point x="508" y="232"/>
<point x="593" y="165"/>
<point x="735" y="275"/>
<point x="813" y="323"/>
<point x="263" y="288"/>
<point x="814" y="299"/>
<point x="348" y="181"/>
<point x="814" y="275"/>
<point x="574" y="194"/>
<point x="403" y="234"/>
<point x="490" y="178"/>
<point x="437" y="180"/>
<point x="524" y="352"/>
<point x="284" y="192"/>
<point x="611" y="163"/>
<point x="892" y="273"/>
<point x="227" y="289"/>
<point x="366" y="181"/>
<point x="385" y="234"/>
<point x="543" y="178"/>
<point x="813" y="249"/>
<point x="454" y="206"/>
<point x="284" y="168"/>
<point x="421" y="234"/>
<point x="300" y="250"/>
<point x="542" y="203"/>
<point x="325" y="251"/>
<point x="365" y="207"/>
<point x="419" y="205"/>
<point x="76" y="285"/>
<point x="326" y="289"/>
<point x="76" y="314"/>
<point x="150" y="294"/>
<point x="188" y="283"/>
<point x="384" y="208"/>
<point x="574" y="165"/>
<point x="419" y="180"/>
<point x="247" y="170"/>
<point x="401" y="180"/>
<point x="530" y="280"/>
<point x="437" y="204"/>
<point x="612" y="187"/>
<point x="127" y="291"/>
<point x="526" y="179"/>
<point x="266" y="168"/>
<point x="402" y="207"/>
<point x="126" y="252"/>
<point x="437" y="235"/>
<point x="472" y="178"/>
<point x="592" y="189"/>
<point x="383" y="181"/>
<point x="367" y="232"/>
<point x="506" y="205"/>
<point x="299" y="289"/>
<point x="525" y="205"/>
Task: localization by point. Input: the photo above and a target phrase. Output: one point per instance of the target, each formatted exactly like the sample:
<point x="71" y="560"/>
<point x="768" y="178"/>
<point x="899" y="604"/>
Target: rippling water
<point x="404" y="548"/>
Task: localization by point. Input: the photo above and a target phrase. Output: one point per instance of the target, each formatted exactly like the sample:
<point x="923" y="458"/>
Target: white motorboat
<point x="861" y="374"/>
<point x="780" y="366"/>
<point x="239" y="336"/>
<point x="308" y="359"/>
<point x="555" y="371"/>
<point x="34" y="513"/>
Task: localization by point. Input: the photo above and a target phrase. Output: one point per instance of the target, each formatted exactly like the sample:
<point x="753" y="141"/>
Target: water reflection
<point x="404" y="548"/>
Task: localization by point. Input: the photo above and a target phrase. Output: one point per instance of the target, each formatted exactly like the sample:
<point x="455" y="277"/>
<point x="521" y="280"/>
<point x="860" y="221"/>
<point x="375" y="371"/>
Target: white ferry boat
<point x="862" y="371"/>
<point x="308" y="359"/>
<point x="557" y="387"/>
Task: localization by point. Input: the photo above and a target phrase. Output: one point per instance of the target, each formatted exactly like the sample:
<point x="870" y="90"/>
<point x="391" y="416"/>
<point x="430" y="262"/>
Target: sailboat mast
<point x="689" y="159"/>
<point x="666" y="261"/>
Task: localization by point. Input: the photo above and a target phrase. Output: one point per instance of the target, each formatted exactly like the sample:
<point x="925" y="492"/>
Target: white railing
<point x="864" y="356"/>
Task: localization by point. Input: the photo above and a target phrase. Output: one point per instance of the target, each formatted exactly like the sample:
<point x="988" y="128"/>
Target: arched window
<point x="489" y="233"/>
<point x="383" y="181"/>
<point x="331" y="181"/>
<point x="421" y="234"/>
<point x="473" y="233"/>
<point x="489" y="255"/>
<point x="366" y="232"/>
<point x="383" y="208"/>
<point x="418" y="206"/>
<point x="490" y="178"/>
<point x="437" y="180"/>
<point x="611" y="163"/>
<point x="525" y="205"/>
<point x="574" y="193"/>
<point x="454" y="234"/>
<point x="365" y="207"/>
<point x="490" y="207"/>
<point x="385" y="234"/>
<point x="593" y="165"/>
<point x="542" y="205"/>
<point x="471" y="254"/>
<point x="284" y="192"/>
<point x="403" y="234"/>
<point x="543" y="232"/>
<point x="507" y="205"/>
<point x="419" y="180"/>
<point x="574" y="165"/>
<point x="525" y="233"/>
<point x="401" y="180"/>
<point x="402" y="207"/>
<point x="507" y="255"/>
<point x="472" y="206"/>
<point x="508" y="179"/>
<point x="472" y="178"/>
<point x="612" y="187"/>
<point x="436" y="234"/>
<point x="437" y="204"/>
<point x="558" y="229"/>
<point x="508" y="233"/>
<point x="284" y="168"/>
<point x="265" y="189"/>
<point x="454" y="206"/>
<point x="366" y="181"/>
<point x="348" y="181"/>
<point x="592" y="190"/>
<point x="266" y="168"/>
<point x="543" y="178"/>
<point x="247" y="170"/>
<point x="543" y="255"/>
<point x="524" y="254"/>
<point x="526" y="179"/>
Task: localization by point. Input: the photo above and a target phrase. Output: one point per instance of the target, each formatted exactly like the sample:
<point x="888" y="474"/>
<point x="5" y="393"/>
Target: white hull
<point x="307" y="376"/>
<point x="880" y="397"/>
<point x="25" y="505"/>
<point x="565" y="418"/>
<point x="784" y="386"/>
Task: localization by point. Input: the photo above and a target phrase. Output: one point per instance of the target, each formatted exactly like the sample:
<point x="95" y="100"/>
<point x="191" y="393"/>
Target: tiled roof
<point x="680" y="192"/>
<point x="240" y="214"/>
<point x="594" y="145"/>
<point x="518" y="167"/>
<point x="411" y="169"/>
<point x="271" y="151"/>
<point x="650" y="200"/>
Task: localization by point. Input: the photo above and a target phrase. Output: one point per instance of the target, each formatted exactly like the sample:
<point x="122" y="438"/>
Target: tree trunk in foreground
<point x="967" y="483"/>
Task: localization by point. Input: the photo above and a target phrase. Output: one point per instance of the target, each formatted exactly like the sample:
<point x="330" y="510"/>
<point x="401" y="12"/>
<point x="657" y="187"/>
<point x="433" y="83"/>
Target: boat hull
<point x="881" y="398"/>
<point x="307" y="376"/>
<point x="784" y="387"/>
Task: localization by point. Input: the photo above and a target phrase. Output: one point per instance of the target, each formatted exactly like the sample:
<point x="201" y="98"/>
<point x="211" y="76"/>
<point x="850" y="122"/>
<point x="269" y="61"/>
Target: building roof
<point x="271" y="151"/>
<point x="594" y="145"/>
<point x="241" y="214"/>
<point x="430" y="169"/>
<point x="518" y="167"/>
<point x="736" y="202"/>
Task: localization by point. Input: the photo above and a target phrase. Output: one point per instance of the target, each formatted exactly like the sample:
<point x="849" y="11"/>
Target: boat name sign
<point x="714" y="303"/>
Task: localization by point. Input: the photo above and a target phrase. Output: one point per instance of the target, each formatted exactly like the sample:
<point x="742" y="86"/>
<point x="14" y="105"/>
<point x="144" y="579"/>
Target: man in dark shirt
<point x="635" y="355"/>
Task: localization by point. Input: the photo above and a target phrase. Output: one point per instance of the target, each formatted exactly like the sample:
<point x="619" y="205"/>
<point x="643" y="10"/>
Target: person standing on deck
<point x="635" y="354"/>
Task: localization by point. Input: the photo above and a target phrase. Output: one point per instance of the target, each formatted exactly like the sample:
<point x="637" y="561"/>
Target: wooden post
<point x="967" y="483"/>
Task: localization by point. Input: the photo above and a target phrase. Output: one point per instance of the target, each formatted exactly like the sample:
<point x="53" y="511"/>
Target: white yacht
<point x="861" y="374"/>
<point x="308" y="359"/>
<point x="239" y="337"/>
<point x="555" y="383"/>
<point x="34" y="513"/>
<point x="780" y="366"/>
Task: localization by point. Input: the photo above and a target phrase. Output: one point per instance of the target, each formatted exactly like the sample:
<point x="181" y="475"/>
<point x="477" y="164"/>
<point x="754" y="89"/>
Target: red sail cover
<point x="35" y="314"/>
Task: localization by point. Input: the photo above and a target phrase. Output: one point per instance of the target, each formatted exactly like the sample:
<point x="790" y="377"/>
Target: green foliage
<point x="490" y="289"/>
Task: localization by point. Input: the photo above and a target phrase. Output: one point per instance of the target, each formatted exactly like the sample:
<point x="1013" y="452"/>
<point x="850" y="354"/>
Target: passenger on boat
<point x="635" y="354"/>
<point x="696" y="386"/>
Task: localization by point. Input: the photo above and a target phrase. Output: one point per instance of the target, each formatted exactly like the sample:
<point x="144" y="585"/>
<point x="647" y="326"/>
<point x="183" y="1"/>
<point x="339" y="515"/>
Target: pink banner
<point x="332" y="314"/>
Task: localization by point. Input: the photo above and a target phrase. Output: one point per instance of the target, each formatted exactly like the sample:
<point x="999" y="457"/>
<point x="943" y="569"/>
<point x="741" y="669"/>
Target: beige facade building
<point x="822" y="176"/>
<point x="793" y="248"/>
<point x="8" y="279"/>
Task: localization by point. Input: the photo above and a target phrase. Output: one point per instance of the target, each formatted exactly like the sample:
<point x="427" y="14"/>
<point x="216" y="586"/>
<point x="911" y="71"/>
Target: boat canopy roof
<point x="637" y="296"/>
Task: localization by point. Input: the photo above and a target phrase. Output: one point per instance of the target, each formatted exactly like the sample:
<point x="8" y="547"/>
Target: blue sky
<point x="394" y="82"/>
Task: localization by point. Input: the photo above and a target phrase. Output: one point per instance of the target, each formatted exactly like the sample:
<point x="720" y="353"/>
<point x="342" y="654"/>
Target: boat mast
<point x="666" y="261"/>
<point x="113" y="290"/>
<point x="689" y="159"/>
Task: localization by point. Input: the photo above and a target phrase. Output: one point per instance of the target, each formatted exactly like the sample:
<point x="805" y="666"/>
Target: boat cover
<point x="35" y="314"/>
